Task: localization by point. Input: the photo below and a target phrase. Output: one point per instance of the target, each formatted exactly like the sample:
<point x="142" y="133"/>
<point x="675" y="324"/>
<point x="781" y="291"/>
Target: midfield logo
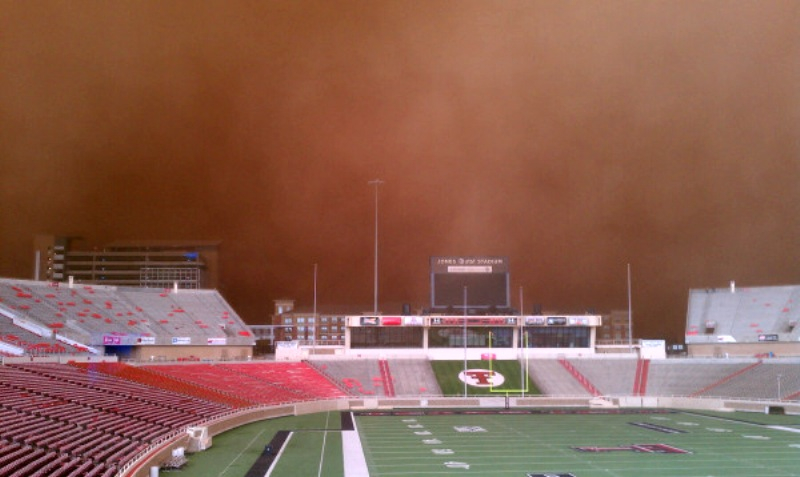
<point x="481" y="378"/>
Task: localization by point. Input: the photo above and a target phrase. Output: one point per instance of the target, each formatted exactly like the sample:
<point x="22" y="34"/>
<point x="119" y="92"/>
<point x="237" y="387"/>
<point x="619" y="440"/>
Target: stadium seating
<point x="744" y="315"/>
<point x="86" y="313"/>
<point x="361" y="377"/>
<point x="758" y="381"/>
<point x="299" y="377"/>
<point x="162" y="381"/>
<point x="413" y="377"/>
<point x="553" y="379"/>
<point x="272" y="383"/>
<point x="91" y="419"/>
<point x="609" y="376"/>
<point x="687" y="376"/>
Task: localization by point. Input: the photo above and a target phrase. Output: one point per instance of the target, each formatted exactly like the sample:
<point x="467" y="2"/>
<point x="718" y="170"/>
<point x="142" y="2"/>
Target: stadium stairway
<point x="640" y="381"/>
<point x="386" y="377"/>
<point x="580" y="377"/>
<point x="725" y="379"/>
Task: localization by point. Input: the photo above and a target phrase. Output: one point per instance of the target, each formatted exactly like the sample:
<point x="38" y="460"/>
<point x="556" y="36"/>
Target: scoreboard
<point x="486" y="280"/>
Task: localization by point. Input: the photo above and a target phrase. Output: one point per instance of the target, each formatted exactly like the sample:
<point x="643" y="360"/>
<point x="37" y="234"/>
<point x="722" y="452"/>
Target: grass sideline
<point x="310" y="449"/>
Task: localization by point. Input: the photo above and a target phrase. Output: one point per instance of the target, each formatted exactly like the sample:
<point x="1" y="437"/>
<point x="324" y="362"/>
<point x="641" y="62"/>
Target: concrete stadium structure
<point x="68" y="400"/>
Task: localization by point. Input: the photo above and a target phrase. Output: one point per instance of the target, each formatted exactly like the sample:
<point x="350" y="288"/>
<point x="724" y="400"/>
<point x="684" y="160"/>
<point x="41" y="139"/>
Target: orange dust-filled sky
<point x="573" y="137"/>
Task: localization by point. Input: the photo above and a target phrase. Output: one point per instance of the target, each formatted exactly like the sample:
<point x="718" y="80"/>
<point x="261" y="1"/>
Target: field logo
<point x="644" y="448"/>
<point x="481" y="378"/>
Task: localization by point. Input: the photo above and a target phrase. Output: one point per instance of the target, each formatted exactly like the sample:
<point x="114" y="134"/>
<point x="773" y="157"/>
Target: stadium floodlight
<point x="376" y="183"/>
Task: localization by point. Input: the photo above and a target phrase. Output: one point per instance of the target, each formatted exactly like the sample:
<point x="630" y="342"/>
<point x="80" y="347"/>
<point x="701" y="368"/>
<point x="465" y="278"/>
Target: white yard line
<point x="277" y="457"/>
<point x="242" y="452"/>
<point x="783" y="428"/>
<point x="324" y="441"/>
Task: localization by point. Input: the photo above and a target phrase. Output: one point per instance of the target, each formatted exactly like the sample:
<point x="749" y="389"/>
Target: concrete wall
<point x="173" y="353"/>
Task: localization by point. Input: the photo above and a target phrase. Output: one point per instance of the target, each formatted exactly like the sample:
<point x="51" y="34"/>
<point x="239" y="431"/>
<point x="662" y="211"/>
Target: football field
<point x="518" y="443"/>
<point x="581" y="444"/>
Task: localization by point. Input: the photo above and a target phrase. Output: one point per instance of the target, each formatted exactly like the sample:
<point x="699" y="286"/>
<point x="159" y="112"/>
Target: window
<point x="477" y="337"/>
<point x="557" y="337"/>
<point x="379" y="337"/>
<point x="300" y="319"/>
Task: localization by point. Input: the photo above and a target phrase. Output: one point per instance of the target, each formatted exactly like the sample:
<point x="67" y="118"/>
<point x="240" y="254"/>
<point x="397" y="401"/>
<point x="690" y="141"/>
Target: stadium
<point x="129" y="381"/>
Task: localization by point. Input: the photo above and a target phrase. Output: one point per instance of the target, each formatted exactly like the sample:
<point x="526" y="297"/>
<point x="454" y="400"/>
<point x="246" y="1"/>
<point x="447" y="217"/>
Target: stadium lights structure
<point x="376" y="183"/>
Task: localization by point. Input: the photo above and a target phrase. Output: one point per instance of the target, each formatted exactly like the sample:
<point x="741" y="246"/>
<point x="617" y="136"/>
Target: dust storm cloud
<point x="572" y="137"/>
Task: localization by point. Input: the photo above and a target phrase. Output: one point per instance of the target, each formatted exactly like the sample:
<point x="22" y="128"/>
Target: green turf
<point x="447" y="374"/>
<point x="513" y="445"/>
<point x="234" y="452"/>
<point x="311" y="453"/>
<point x="503" y="445"/>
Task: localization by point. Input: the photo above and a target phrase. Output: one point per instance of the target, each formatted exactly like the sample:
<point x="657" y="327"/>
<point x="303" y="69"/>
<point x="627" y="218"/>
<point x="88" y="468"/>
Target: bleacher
<point x="553" y="379"/>
<point x="765" y="380"/>
<point x="23" y="341"/>
<point x="72" y="320"/>
<point x="686" y="377"/>
<point x="299" y="377"/>
<point x="89" y="424"/>
<point x="269" y="384"/>
<point x="609" y="376"/>
<point x="359" y="377"/>
<point x="743" y="315"/>
<point x="162" y="381"/>
<point x="414" y="377"/>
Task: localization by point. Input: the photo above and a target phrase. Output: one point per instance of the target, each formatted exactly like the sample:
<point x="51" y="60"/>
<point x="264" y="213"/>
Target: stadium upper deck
<point x="129" y="322"/>
<point x="759" y="319"/>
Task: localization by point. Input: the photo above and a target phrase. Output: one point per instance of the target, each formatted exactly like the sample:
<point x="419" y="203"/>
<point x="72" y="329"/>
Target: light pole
<point x="630" y="313"/>
<point x="465" y="340"/>
<point x="314" y="338"/>
<point x="522" y="321"/>
<point x="376" y="183"/>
